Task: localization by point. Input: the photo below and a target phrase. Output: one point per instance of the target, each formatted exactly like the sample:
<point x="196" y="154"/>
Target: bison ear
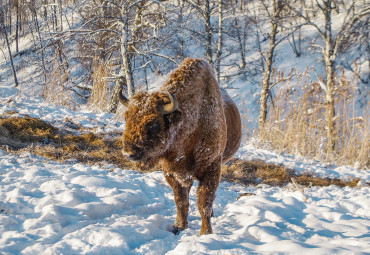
<point x="122" y="98"/>
<point x="169" y="107"/>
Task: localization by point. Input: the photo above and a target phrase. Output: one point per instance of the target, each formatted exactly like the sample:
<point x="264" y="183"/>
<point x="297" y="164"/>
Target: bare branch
<point x="307" y="19"/>
<point x="155" y="54"/>
<point x="321" y="83"/>
<point x="344" y="30"/>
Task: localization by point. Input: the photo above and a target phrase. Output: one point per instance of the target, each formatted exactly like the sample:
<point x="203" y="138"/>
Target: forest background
<point x="298" y="70"/>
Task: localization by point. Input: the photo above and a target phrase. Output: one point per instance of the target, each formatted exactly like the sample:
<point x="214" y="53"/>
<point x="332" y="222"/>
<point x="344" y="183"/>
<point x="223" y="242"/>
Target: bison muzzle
<point x="190" y="127"/>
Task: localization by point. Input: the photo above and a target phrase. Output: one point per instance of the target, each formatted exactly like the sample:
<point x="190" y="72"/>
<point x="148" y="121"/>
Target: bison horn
<point x="122" y="98"/>
<point x="169" y="107"/>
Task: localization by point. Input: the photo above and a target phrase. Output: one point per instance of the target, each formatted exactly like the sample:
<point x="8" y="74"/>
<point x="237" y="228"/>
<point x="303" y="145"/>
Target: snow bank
<point x="55" y="208"/>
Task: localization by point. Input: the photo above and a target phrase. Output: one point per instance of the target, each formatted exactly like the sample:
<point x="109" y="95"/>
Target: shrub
<point x="297" y="125"/>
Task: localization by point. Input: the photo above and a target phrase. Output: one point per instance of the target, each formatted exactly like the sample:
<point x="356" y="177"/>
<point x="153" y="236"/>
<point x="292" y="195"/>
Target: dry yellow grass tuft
<point x="100" y="93"/>
<point x="27" y="129"/>
<point x="256" y="172"/>
<point x="297" y="124"/>
<point x="41" y="138"/>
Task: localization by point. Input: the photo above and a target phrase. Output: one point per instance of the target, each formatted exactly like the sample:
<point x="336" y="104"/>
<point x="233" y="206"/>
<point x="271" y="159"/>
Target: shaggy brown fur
<point x="192" y="142"/>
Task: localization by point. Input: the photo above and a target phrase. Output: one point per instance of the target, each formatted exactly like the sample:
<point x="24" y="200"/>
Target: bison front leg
<point x="208" y="184"/>
<point x="181" y="194"/>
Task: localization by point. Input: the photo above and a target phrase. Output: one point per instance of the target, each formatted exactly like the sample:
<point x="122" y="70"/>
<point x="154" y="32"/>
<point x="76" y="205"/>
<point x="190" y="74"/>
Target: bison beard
<point x="191" y="127"/>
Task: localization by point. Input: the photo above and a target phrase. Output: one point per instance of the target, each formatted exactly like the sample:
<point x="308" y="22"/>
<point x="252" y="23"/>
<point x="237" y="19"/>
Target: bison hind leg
<point x="206" y="192"/>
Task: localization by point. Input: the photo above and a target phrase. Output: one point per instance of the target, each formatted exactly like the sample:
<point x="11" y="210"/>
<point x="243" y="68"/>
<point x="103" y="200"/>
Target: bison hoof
<point x="176" y="230"/>
<point x="206" y="231"/>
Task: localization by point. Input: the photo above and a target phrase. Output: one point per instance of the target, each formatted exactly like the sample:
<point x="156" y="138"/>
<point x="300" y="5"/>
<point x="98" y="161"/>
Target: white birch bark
<point x="219" y="42"/>
<point x="8" y="46"/>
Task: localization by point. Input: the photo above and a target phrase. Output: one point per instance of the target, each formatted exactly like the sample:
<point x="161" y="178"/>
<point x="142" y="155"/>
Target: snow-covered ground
<point x="70" y="208"/>
<point x="48" y="207"/>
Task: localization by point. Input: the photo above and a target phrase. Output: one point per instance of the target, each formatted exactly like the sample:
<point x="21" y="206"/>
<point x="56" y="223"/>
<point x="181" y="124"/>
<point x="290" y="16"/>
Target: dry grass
<point x="99" y="97"/>
<point x="39" y="137"/>
<point x="297" y="124"/>
<point x="54" y="89"/>
<point x="27" y="129"/>
<point x="256" y="172"/>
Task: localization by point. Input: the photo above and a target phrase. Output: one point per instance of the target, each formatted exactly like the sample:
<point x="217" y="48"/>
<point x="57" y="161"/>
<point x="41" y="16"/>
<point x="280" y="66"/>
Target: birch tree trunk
<point x="268" y="65"/>
<point x="267" y="76"/>
<point x="60" y="14"/>
<point x="219" y="43"/>
<point x="37" y="25"/>
<point x="180" y="20"/>
<point x="17" y="27"/>
<point x="205" y="10"/>
<point x="9" y="16"/>
<point x="240" y="42"/>
<point x="124" y="80"/>
<point x="126" y="64"/>
<point x="9" y="50"/>
<point x="125" y="76"/>
<point x="329" y="57"/>
<point x="207" y="17"/>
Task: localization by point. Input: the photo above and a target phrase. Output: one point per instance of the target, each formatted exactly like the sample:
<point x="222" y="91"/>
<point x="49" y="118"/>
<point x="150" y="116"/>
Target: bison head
<point x="149" y="118"/>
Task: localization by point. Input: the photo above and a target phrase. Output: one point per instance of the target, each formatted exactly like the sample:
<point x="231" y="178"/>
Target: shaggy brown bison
<point x="191" y="127"/>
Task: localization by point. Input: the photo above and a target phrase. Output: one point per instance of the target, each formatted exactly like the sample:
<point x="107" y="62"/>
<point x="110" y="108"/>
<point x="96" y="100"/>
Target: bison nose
<point x="136" y="154"/>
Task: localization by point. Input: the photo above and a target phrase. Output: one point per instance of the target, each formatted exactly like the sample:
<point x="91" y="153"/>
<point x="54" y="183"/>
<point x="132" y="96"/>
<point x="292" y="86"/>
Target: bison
<point x="191" y="127"/>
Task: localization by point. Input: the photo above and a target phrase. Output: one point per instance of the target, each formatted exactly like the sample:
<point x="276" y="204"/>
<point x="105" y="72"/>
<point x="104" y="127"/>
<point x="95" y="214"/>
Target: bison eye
<point x="153" y="128"/>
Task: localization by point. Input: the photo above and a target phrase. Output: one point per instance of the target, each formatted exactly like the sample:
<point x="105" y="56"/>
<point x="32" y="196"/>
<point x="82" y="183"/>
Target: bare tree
<point x="239" y="30"/>
<point x="128" y="30"/>
<point x="332" y="40"/>
<point x="40" y="43"/>
<point x="18" y="24"/>
<point x="3" y="28"/>
<point x="274" y="15"/>
<point x="239" y="36"/>
<point x="219" y="41"/>
<point x="205" y="9"/>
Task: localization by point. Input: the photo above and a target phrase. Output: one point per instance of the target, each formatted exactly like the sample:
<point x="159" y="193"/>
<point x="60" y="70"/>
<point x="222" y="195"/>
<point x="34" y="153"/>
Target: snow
<point x="60" y="208"/>
<point x="57" y="115"/>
